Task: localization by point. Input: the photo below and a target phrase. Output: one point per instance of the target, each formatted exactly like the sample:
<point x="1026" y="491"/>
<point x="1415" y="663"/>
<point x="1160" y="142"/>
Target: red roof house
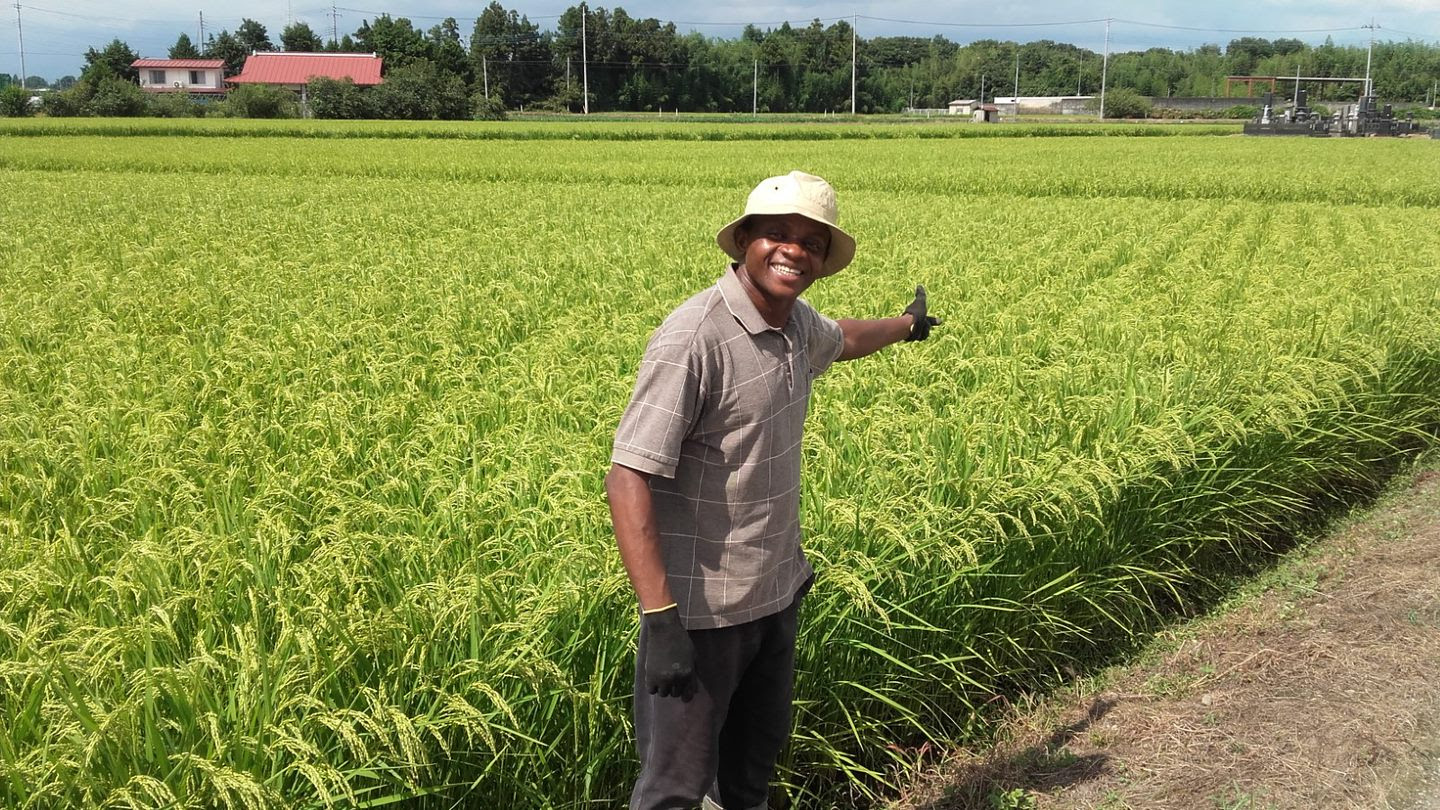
<point x="181" y="75"/>
<point x="293" y="70"/>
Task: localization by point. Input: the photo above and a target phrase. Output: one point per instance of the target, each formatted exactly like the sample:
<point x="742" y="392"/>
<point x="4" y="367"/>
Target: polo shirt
<point x="716" y="419"/>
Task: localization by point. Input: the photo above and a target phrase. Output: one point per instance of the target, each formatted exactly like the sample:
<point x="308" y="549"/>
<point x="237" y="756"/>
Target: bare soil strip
<point x="1320" y="690"/>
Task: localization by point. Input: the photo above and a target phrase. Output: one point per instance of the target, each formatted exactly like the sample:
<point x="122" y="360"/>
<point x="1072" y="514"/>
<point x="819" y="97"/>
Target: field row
<point x="300" y="473"/>
<point x="692" y="127"/>
<point x="1358" y="172"/>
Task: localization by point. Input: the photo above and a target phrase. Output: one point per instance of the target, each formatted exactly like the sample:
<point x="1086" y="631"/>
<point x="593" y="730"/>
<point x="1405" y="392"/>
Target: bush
<point x="1245" y="111"/>
<point x="260" y="101"/>
<point x="66" y="103"/>
<point x="15" y="102"/>
<point x="1122" y="102"/>
<point x="116" y="97"/>
<point x="336" y="98"/>
<point x="420" y="92"/>
<point x="487" y="109"/>
<point x="175" y="105"/>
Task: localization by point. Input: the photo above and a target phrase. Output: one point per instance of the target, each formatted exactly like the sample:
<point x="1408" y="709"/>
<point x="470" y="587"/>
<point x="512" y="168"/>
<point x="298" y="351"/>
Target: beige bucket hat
<point x="794" y="193"/>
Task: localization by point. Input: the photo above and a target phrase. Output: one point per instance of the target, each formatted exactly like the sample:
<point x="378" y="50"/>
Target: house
<point x="963" y="106"/>
<point x="294" y="69"/>
<point x="199" y="76"/>
<point x="986" y="114"/>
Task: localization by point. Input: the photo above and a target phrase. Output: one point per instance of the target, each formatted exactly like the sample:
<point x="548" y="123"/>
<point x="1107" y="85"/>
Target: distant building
<point x="985" y="114"/>
<point x="963" y="106"/>
<point x="1042" y="105"/>
<point x="200" y="76"/>
<point x="293" y="70"/>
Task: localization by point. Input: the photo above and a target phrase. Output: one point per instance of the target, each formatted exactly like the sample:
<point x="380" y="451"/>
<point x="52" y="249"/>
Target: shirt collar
<point x="740" y="304"/>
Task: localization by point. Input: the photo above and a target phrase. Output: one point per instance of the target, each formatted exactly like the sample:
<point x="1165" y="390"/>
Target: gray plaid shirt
<point x="717" y="418"/>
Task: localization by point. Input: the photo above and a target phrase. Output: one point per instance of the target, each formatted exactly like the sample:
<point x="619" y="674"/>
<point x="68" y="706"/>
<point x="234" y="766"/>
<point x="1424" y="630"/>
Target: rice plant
<point x="301" y="442"/>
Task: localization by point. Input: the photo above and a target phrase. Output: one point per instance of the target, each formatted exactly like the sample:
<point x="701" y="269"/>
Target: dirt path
<point x="1319" y="690"/>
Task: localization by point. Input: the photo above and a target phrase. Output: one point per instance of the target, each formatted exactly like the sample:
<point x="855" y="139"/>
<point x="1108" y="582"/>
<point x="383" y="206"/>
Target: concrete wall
<point x="1206" y="102"/>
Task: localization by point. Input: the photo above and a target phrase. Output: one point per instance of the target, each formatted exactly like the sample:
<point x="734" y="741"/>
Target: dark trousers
<point x="723" y="743"/>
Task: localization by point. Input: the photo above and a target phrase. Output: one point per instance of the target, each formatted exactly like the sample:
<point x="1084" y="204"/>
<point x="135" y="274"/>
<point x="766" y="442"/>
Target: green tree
<point x="184" y="48"/>
<point x="299" y="37"/>
<point x="396" y="41"/>
<point x="225" y="46"/>
<point x="116" y="59"/>
<point x="253" y="37"/>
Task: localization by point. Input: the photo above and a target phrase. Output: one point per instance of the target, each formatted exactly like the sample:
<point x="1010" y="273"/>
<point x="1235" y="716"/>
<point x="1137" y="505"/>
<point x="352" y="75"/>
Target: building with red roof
<point x="205" y="76"/>
<point x="294" y="69"/>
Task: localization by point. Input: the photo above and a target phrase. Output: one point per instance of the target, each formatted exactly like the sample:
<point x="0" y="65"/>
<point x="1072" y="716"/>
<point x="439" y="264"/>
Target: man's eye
<point x="814" y="246"/>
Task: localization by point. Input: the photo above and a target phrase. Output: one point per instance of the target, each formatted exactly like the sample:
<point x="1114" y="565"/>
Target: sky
<point x="57" y="33"/>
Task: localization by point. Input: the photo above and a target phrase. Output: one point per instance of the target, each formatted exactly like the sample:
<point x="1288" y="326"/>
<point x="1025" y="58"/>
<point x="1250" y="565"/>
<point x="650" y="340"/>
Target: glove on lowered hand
<point x="669" y="655"/>
<point x="921" y="328"/>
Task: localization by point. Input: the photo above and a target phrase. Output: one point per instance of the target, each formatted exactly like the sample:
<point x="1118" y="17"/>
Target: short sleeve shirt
<point x="717" y="419"/>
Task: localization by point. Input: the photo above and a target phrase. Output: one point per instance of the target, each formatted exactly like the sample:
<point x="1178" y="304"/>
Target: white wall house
<point x="181" y="75"/>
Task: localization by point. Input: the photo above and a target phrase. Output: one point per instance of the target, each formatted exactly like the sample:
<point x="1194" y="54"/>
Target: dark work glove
<point x="921" y="328"/>
<point x="669" y="655"/>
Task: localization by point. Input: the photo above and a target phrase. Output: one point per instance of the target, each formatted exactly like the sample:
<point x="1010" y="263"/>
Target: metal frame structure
<point x="1251" y="81"/>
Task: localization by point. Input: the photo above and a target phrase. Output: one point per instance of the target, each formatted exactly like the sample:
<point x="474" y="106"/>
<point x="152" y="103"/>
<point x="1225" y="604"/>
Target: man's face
<point x="784" y="253"/>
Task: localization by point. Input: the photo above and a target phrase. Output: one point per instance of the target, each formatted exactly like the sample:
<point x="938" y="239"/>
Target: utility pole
<point x="982" y="89"/>
<point x="584" y="60"/>
<point x="20" y="32"/>
<point x="853" y="21"/>
<point x="1017" y="82"/>
<point x="1369" y="91"/>
<point x="755" y="90"/>
<point x="200" y="43"/>
<point x="1104" y="68"/>
<point x="334" y="25"/>
<point x="485" y="72"/>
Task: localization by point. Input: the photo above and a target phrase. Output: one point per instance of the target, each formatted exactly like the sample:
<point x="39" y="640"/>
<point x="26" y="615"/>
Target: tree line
<point x="507" y="63"/>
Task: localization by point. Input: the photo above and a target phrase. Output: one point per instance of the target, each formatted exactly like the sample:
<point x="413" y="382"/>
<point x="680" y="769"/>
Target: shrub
<point x="175" y="105"/>
<point x="260" y="101"/>
<point x="336" y="98"/>
<point x="1122" y="102"/>
<point x="487" y="109"/>
<point x="15" y="102"/>
<point x="66" y="103"/>
<point x="116" y="97"/>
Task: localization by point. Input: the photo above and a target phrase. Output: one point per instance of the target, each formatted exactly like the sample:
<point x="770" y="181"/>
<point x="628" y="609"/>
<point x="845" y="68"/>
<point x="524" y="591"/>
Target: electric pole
<point x="20" y="32"/>
<point x="1368" y="51"/>
<point x="200" y="43"/>
<point x="334" y="26"/>
<point x="853" y="21"/>
<point x="1104" y="67"/>
<point x="1017" y="82"/>
<point x="755" y="91"/>
<point x="584" y="61"/>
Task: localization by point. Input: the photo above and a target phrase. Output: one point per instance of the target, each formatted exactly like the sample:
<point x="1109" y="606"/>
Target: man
<point x="704" y="490"/>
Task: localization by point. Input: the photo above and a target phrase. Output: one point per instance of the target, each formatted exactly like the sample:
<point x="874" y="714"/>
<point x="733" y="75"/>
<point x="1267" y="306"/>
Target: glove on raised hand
<point x="669" y="655"/>
<point x="921" y="328"/>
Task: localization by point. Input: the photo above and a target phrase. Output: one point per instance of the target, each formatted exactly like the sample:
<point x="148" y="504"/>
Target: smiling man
<point x="704" y="490"/>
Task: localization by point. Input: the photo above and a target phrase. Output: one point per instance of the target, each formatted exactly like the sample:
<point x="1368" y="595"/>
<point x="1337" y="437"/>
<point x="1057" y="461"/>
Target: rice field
<point x="302" y="438"/>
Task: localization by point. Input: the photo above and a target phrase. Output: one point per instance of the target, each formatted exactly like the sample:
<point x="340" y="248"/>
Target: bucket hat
<point x="794" y="193"/>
